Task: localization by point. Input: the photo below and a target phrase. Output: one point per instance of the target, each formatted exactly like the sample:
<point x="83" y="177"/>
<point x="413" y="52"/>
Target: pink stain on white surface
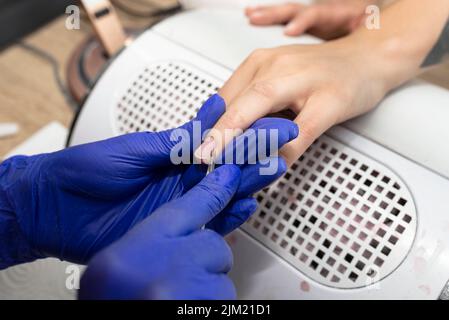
<point x="425" y="288"/>
<point x="231" y="239"/>
<point x="420" y="265"/>
<point x="305" y="286"/>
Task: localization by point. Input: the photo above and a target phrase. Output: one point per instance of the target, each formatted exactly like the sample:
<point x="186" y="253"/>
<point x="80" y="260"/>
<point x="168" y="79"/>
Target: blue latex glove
<point x="168" y="256"/>
<point x="73" y="203"/>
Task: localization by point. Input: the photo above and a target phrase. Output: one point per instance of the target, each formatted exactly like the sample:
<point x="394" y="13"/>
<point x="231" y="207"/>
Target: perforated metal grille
<point x="164" y="95"/>
<point x="338" y="216"/>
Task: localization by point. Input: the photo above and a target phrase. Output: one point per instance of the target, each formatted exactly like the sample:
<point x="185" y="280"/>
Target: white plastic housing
<point x="351" y="220"/>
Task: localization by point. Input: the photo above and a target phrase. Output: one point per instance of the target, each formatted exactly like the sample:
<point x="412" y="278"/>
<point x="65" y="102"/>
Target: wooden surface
<point x="29" y="95"/>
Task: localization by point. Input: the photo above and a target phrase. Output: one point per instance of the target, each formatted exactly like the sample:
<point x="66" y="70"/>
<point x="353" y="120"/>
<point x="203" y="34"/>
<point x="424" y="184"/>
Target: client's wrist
<point x="384" y="62"/>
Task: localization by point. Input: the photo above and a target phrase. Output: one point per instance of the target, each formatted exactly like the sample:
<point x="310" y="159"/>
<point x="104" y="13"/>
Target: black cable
<point x="154" y="13"/>
<point x="55" y="67"/>
<point x="82" y="72"/>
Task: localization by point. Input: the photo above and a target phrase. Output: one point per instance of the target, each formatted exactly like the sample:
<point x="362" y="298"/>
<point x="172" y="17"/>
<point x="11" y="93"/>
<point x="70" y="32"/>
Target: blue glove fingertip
<point x="294" y="131"/>
<point x="282" y="167"/>
<point x="288" y="128"/>
<point x="211" y="110"/>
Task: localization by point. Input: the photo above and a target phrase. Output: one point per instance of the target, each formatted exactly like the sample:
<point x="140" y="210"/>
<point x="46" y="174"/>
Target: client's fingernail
<point x="290" y="28"/>
<point x="256" y="15"/>
<point x="252" y="8"/>
<point x="205" y="150"/>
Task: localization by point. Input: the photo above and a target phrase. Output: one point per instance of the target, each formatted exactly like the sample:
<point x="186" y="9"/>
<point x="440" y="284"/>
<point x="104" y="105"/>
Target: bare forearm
<point x="413" y="34"/>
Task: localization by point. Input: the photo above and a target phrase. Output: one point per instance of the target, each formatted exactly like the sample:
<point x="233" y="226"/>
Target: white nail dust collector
<point x="363" y="214"/>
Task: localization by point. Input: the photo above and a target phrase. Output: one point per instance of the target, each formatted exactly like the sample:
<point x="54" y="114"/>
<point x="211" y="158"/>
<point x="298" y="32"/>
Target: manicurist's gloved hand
<point x="168" y="255"/>
<point x="73" y="203"/>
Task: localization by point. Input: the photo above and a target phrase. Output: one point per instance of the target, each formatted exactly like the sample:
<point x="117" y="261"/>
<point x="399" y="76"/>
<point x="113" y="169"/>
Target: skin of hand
<point x="327" y="19"/>
<point x="168" y="255"/>
<point x="72" y="203"/>
<point x="326" y="84"/>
